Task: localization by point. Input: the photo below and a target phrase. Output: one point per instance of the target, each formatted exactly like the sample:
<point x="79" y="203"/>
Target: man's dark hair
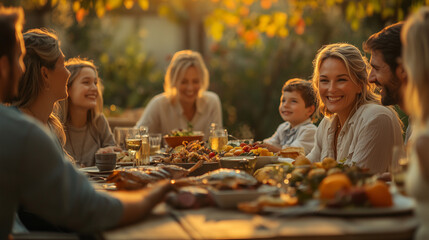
<point x="304" y="88"/>
<point x="388" y="42"/>
<point x="10" y="21"/>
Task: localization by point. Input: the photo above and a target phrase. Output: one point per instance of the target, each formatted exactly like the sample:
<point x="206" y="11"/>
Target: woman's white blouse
<point x="161" y="115"/>
<point x="366" y="139"/>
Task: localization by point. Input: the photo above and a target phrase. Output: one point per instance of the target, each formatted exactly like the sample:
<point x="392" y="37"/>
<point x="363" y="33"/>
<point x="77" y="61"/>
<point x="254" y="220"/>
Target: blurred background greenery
<point x="251" y="47"/>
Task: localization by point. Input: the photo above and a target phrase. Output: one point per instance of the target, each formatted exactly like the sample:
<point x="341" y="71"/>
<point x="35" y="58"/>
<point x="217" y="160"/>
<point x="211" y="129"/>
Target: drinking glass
<point x="218" y="138"/>
<point x="120" y="134"/>
<point x="155" y="143"/>
<point x="399" y="168"/>
<point x="144" y="151"/>
<point x="133" y="144"/>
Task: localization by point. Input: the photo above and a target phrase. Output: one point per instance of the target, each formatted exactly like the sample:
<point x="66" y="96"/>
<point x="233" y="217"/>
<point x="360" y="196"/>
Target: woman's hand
<point x="109" y="149"/>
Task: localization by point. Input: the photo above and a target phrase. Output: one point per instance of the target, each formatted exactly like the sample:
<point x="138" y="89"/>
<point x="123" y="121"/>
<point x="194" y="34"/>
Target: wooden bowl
<point x="177" y="141"/>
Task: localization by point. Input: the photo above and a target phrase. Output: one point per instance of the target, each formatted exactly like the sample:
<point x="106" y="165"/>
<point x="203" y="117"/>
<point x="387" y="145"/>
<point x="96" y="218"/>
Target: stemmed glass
<point x="398" y="168"/>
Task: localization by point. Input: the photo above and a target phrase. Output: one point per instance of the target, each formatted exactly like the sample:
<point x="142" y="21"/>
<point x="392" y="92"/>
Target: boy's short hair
<point x="304" y="88"/>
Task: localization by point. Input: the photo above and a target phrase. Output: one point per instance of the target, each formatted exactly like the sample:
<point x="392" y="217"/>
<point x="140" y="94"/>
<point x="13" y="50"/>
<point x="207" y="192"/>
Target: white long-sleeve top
<point x="366" y="139"/>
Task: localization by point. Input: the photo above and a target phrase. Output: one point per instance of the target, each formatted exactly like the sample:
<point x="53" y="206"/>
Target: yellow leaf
<point x="271" y="30"/>
<point x="248" y="2"/>
<point x="230" y="4"/>
<point x="369" y="9"/>
<point x="99" y="8"/>
<point x="231" y="20"/>
<point x="128" y="4"/>
<point x="350" y="10"/>
<point x="42" y="2"/>
<point x="283" y="32"/>
<point x="280" y="18"/>
<point x="76" y="6"/>
<point x="112" y="4"/>
<point x="266" y="4"/>
<point x="54" y="2"/>
<point x="355" y="24"/>
<point x="163" y="10"/>
<point x="104" y="58"/>
<point x="264" y="20"/>
<point x="144" y="4"/>
<point x="244" y="11"/>
<point x="216" y="31"/>
<point x="360" y="11"/>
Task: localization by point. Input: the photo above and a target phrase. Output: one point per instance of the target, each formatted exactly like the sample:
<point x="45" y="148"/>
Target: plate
<point x="401" y="205"/>
<point x="230" y="198"/>
<point x="205" y="168"/>
<point x="124" y="163"/>
<point x="94" y="170"/>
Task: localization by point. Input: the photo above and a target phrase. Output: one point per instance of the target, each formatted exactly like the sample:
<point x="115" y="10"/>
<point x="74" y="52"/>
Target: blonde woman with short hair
<point x="356" y="129"/>
<point x="185" y="99"/>
<point x="415" y="40"/>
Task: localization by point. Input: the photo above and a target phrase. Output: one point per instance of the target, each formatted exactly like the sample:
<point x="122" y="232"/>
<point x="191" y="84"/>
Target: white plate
<point x="230" y="198"/>
<point x="401" y="205"/>
<point x="124" y="163"/>
<point x="94" y="170"/>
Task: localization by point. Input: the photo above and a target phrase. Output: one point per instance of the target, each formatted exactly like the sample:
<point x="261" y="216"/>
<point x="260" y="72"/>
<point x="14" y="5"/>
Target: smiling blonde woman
<point x="356" y="129"/>
<point x="185" y="99"/>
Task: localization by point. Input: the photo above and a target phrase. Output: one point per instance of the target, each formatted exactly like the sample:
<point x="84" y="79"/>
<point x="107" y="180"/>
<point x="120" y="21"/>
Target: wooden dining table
<point x="217" y="223"/>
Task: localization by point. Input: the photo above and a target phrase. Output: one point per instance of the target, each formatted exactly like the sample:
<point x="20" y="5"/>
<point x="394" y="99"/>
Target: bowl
<point x="178" y="140"/>
<point x="105" y="161"/>
<point x="245" y="163"/>
<point x="105" y="166"/>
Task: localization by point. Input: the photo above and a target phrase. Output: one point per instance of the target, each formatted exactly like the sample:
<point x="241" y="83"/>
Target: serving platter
<point x="401" y="205"/>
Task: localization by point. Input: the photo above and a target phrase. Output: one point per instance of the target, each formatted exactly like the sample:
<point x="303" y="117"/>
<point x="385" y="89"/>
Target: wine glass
<point x="120" y="134"/>
<point x="133" y="144"/>
<point x="399" y="168"/>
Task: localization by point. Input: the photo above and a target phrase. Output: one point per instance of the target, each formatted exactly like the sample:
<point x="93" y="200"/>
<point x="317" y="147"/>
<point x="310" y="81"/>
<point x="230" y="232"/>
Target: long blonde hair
<point x="180" y="62"/>
<point x="43" y="50"/>
<point x="415" y="39"/>
<point x="75" y="66"/>
<point x="357" y="68"/>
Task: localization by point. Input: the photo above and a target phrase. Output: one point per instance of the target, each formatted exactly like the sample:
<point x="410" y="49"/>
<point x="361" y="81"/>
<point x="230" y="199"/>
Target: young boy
<point x="297" y="105"/>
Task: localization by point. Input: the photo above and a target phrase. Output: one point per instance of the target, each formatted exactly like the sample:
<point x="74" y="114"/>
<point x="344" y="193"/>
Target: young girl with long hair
<point x="87" y="130"/>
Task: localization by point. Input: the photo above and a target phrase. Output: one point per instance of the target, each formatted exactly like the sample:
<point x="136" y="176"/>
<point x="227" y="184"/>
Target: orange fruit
<point x="331" y="184"/>
<point x="378" y="194"/>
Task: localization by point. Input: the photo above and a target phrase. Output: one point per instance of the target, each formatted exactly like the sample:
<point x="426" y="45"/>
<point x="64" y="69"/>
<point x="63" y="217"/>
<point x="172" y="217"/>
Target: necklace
<point x="82" y="146"/>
